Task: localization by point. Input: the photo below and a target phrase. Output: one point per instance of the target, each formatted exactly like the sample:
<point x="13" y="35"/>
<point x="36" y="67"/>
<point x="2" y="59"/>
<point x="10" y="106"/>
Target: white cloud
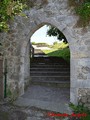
<point x="41" y="36"/>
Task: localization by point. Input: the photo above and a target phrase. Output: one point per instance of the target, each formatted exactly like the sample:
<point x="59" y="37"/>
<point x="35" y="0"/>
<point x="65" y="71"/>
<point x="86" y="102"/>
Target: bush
<point x="81" y="109"/>
<point x="82" y="8"/>
<point x="84" y="13"/>
<point x="8" y="9"/>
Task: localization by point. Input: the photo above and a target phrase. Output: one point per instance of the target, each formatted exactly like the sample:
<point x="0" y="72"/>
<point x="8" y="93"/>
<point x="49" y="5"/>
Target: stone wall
<point x="27" y="66"/>
<point x="84" y="96"/>
<point x="1" y="72"/>
<point x="15" y="44"/>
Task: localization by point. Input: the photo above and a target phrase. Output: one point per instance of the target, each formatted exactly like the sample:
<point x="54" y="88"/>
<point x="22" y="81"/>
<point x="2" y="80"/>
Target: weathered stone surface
<point x="84" y="96"/>
<point x="88" y="97"/>
<point x="85" y="69"/>
<point x="15" y="44"/>
<point x="10" y="112"/>
<point x="84" y="99"/>
<point x="82" y="77"/>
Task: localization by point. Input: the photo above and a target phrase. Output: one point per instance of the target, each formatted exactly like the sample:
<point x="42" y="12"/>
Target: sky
<point x="41" y="36"/>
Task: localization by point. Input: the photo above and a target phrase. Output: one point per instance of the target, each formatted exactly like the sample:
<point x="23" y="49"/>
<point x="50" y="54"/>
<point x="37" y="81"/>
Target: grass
<point x="59" y="50"/>
<point x="59" y="46"/>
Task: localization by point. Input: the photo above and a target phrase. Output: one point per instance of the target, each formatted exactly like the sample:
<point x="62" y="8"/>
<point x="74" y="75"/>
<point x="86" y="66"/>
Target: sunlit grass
<point x="59" y="50"/>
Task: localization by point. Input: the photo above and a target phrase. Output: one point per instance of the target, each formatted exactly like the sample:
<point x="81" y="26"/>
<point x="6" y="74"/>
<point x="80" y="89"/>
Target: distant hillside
<point x="41" y="44"/>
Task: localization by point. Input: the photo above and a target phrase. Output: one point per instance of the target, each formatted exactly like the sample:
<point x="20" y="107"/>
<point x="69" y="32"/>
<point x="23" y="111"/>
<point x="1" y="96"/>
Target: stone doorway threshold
<point x="47" y="98"/>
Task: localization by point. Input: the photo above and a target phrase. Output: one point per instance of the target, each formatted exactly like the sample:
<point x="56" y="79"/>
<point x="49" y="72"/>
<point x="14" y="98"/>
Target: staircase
<point x="50" y="88"/>
<point x="50" y="71"/>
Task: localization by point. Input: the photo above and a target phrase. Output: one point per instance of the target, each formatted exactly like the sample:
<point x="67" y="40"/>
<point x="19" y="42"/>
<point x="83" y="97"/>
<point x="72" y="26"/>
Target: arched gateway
<point x="16" y="48"/>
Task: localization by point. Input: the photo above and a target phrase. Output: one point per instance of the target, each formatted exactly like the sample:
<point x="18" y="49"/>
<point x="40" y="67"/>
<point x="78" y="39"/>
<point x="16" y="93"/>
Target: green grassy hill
<point x="59" y="50"/>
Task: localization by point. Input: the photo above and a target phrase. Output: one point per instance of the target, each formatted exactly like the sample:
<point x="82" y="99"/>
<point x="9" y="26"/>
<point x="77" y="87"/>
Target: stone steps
<point x="52" y="84"/>
<point x="49" y="66"/>
<point x="50" y="71"/>
<point x="50" y="79"/>
<point x="50" y="74"/>
<point x="49" y="60"/>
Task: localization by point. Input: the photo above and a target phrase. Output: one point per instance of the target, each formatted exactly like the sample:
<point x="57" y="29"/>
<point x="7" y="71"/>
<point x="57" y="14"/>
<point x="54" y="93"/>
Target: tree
<point x="53" y="31"/>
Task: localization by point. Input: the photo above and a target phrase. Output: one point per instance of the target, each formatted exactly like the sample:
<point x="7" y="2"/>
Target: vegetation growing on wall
<point x="80" y="109"/>
<point x="8" y="9"/>
<point x="82" y="8"/>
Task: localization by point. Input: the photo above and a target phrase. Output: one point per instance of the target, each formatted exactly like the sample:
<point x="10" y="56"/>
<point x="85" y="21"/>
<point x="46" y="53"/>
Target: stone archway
<point x="15" y="44"/>
<point x="60" y="27"/>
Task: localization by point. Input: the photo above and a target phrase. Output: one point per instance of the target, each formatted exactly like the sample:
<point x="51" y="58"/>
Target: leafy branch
<point x="8" y="9"/>
<point x="82" y="8"/>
